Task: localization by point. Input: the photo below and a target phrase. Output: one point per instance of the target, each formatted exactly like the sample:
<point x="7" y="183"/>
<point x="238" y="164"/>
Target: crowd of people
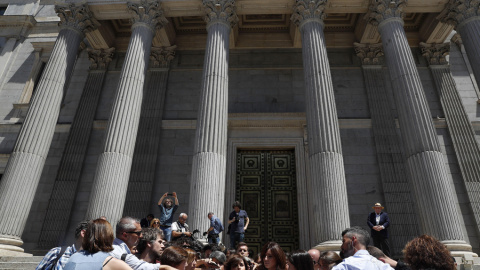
<point x="134" y="247"/>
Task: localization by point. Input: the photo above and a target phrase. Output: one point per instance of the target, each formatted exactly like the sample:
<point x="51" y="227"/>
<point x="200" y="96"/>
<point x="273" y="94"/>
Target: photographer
<point x="238" y="221"/>
<point x="167" y="209"/>
<point x="180" y="227"/>
<point x="215" y="229"/>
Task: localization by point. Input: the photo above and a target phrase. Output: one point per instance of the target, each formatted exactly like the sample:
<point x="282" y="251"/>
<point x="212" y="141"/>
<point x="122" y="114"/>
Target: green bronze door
<point x="266" y="187"/>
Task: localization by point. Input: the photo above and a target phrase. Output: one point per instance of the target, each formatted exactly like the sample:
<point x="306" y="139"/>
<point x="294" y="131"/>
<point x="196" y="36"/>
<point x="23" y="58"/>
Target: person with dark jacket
<point x="378" y="222"/>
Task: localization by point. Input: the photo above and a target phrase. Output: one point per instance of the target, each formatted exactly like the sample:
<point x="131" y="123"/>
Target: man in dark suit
<point x="378" y="222"/>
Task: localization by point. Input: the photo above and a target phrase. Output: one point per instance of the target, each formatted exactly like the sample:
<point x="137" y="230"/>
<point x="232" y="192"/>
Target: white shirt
<point x="362" y="260"/>
<point x="119" y="248"/>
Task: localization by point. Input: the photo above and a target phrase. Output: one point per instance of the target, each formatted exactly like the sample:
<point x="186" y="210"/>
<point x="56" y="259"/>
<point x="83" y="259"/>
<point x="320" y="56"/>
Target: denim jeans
<point x="167" y="231"/>
<point x="214" y="240"/>
<point x="235" y="238"/>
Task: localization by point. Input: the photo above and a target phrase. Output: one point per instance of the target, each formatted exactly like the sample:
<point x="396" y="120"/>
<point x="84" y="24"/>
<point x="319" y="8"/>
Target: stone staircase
<point x="27" y="263"/>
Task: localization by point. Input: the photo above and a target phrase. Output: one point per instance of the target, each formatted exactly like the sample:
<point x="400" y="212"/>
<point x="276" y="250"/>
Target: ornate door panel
<point x="266" y="187"/>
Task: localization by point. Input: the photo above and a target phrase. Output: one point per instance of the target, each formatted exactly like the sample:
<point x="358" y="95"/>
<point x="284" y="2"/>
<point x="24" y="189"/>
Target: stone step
<point x="18" y="265"/>
<point x="36" y="259"/>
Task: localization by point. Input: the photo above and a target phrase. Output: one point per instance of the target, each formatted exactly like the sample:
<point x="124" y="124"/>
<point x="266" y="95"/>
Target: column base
<point x="11" y="247"/>
<point x="459" y="248"/>
<point x="332" y="245"/>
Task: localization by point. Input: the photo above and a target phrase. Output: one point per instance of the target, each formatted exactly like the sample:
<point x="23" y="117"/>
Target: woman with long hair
<point x="236" y="262"/>
<point x="426" y="252"/>
<point x="300" y="260"/>
<point x="175" y="257"/>
<point x="328" y="260"/>
<point x="155" y="223"/>
<point x="191" y="259"/>
<point x="273" y="257"/>
<point x="96" y="244"/>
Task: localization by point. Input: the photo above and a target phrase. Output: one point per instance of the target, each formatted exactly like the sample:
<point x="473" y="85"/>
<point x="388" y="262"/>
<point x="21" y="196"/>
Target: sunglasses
<point x="156" y="222"/>
<point x="137" y="233"/>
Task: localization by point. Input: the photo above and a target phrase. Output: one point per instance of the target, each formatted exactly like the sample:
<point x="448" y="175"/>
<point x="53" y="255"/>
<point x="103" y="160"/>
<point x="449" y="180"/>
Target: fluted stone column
<point x="65" y="186"/>
<point x="139" y="195"/>
<point x="398" y="197"/>
<point x="20" y="181"/>
<point x="328" y="192"/>
<point x="113" y="170"/>
<point x="209" y="157"/>
<point x="433" y="187"/>
<point x="461" y="130"/>
<point x="465" y="16"/>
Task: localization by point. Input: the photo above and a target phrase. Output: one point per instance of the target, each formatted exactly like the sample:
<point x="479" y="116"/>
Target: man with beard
<point x="354" y="248"/>
<point x="151" y="245"/>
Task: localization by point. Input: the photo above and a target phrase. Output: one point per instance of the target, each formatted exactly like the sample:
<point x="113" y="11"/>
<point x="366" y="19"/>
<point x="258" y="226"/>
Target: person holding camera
<point x="167" y="209"/>
<point x="216" y="227"/>
<point x="238" y="221"/>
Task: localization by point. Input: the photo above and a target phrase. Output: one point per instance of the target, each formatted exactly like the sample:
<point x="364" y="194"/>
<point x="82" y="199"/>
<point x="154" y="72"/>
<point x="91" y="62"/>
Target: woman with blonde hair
<point x="96" y="245"/>
<point x="155" y="223"/>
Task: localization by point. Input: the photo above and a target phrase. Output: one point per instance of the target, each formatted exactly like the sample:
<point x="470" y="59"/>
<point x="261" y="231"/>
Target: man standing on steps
<point x="167" y="209"/>
<point x="378" y="222"/>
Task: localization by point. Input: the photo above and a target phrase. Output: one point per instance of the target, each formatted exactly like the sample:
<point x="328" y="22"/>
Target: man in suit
<point x="378" y="222"/>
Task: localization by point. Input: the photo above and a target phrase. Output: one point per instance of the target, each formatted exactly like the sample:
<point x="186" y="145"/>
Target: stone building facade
<point x="308" y="112"/>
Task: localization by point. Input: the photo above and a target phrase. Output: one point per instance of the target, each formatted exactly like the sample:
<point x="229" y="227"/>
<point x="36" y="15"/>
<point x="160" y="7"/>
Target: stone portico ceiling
<point x="266" y="24"/>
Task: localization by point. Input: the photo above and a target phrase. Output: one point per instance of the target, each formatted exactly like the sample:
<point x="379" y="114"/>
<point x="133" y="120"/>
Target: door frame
<point x="301" y="173"/>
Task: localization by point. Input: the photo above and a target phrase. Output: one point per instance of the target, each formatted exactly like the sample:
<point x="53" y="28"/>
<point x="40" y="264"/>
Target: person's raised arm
<point x="163" y="197"/>
<point x="176" y="199"/>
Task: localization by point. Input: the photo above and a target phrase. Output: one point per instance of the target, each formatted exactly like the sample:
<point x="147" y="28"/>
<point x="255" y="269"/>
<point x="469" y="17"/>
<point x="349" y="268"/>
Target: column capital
<point x="308" y="10"/>
<point x="435" y="53"/>
<point x="458" y="12"/>
<point x="369" y="53"/>
<point x="382" y="10"/>
<point x="162" y="56"/>
<point x="76" y="17"/>
<point x="100" y="58"/>
<point x="457" y="39"/>
<point x="148" y="13"/>
<point x="220" y="11"/>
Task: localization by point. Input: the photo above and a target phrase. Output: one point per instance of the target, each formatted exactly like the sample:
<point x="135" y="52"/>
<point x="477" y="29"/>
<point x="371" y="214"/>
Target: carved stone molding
<point x="162" y="56"/>
<point x="458" y="11"/>
<point x="369" y="53"/>
<point x="100" y="58"/>
<point x="457" y="39"/>
<point x="381" y="10"/>
<point x="76" y="17"/>
<point x="223" y="11"/>
<point x="435" y="53"/>
<point x="147" y="12"/>
<point x="306" y="10"/>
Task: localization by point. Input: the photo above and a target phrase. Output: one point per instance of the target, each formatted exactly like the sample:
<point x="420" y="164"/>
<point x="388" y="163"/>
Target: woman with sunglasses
<point x="155" y="223"/>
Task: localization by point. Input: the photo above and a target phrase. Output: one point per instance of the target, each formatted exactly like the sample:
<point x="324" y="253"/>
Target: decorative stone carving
<point x="147" y="12"/>
<point x="306" y="10"/>
<point x="77" y="17"/>
<point x="458" y="11"/>
<point x="435" y="53"/>
<point x="100" y="58"/>
<point x="220" y="11"/>
<point x="381" y="10"/>
<point x="457" y="39"/>
<point x="161" y="56"/>
<point x="369" y="53"/>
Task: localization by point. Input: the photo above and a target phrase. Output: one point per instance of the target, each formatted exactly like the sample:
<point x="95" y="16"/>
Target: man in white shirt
<point x="180" y="227"/>
<point x="354" y="247"/>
